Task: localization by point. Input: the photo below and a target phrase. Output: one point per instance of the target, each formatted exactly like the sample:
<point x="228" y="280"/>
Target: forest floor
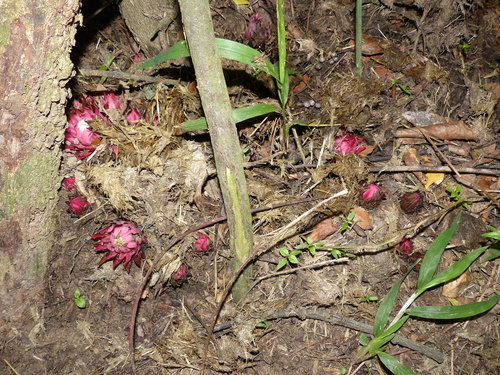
<point x="429" y="66"/>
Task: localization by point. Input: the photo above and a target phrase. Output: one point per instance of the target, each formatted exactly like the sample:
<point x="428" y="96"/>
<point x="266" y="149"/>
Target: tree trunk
<point x="35" y="42"/>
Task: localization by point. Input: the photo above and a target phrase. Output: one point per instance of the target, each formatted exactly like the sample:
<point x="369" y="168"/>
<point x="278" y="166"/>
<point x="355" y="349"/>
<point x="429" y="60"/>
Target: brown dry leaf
<point x="454" y="287"/>
<point x="485" y="182"/>
<point x="362" y="218"/>
<point x="454" y="129"/>
<point x="370" y="46"/>
<point x="323" y="229"/>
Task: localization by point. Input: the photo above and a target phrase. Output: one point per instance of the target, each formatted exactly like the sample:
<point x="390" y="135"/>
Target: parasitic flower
<point x="411" y="202"/>
<point x="69" y="183"/>
<point x="370" y="196"/>
<point x="405" y="247"/>
<point x="110" y="101"/>
<point x="122" y="241"/>
<point x="348" y="144"/>
<point x="78" y="205"/>
<point x="180" y="276"/>
<point x="202" y="243"/>
<point x="79" y="136"/>
<point x="134" y="116"/>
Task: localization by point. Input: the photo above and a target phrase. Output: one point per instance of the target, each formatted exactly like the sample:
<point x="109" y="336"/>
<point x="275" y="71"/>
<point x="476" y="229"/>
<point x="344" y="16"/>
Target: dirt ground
<point x="424" y="63"/>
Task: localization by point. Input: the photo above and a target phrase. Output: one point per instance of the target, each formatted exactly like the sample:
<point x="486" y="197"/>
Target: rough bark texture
<point x="36" y="37"/>
<point x="223" y="135"/>
<point x="150" y="22"/>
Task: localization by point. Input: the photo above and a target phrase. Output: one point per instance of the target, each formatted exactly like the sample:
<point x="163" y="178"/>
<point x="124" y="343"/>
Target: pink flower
<point x="110" y="101"/>
<point x="370" y="196"/>
<point x="122" y="241"/>
<point x="370" y="192"/>
<point x="348" y="144"/>
<point x="405" y="247"/>
<point x="180" y="276"/>
<point x="79" y="136"/>
<point x="134" y="116"/>
<point x="78" y="205"/>
<point x="202" y="243"/>
<point x="69" y="183"/>
<point x="136" y="58"/>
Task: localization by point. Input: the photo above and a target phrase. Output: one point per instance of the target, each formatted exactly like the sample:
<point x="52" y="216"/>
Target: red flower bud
<point x="78" y="205"/>
<point x="348" y="144"/>
<point x="202" y="243"/>
<point x="370" y="196"/>
<point x="180" y="276"/>
<point x="405" y="247"/>
<point x="411" y="202"/>
<point x="69" y="183"/>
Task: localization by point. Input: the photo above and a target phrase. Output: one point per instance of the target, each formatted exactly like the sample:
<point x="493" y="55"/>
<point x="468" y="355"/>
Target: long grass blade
<point x="394" y="365"/>
<point x="453" y="312"/>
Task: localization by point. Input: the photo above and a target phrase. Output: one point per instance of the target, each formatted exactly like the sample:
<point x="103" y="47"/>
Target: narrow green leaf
<point x="453" y="271"/>
<point x="375" y="345"/>
<point x="239" y="115"/>
<point x="178" y="50"/>
<point x="494" y="234"/>
<point x="395" y="327"/>
<point x="433" y="255"/>
<point x="394" y="365"/>
<point x="453" y="312"/>
<point x="492" y="254"/>
<point x="363" y="339"/>
<point x="282" y="263"/>
<point x="385" y="308"/>
<point x="312" y="250"/>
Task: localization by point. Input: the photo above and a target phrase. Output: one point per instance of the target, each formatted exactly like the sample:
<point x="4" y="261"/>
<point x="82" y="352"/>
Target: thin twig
<point x="440" y="169"/>
<point x="126" y="76"/>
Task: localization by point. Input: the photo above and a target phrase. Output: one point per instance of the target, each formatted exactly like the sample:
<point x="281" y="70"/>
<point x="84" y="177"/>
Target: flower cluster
<point x="79" y="136"/>
<point x="122" y="241"/>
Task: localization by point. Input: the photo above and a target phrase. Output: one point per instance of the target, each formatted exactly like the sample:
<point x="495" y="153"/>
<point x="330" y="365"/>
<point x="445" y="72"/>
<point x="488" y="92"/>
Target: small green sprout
<point x="494" y="251"/>
<point x="404" y="88"/>
<point x="455" y="195"/>
<point x="310" y="245"/>
<point x="79" y="300"/>
<point x="263" y="324"/>
<point x="348" y="222"/>
<point x="289" y="257"/>
<point x="464" y="46"/>
<point x="369" y="299"/>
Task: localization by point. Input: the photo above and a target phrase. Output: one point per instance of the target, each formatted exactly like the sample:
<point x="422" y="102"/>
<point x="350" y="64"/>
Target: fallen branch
<point x="327" y="316"/>
<point x="126" y="76"/>
<point x="440" y="169"/>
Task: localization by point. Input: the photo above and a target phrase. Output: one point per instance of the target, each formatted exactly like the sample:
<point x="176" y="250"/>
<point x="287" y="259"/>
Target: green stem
<point x="359" y="36"/>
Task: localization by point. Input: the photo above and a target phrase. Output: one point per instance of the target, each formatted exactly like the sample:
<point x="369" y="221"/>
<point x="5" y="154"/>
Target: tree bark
<point x="36" y="37"/>
<point x="223" y="135"/>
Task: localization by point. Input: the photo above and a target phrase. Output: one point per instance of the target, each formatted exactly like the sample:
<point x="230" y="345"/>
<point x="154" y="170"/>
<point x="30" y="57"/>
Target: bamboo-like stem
<point x="359" y="36"/>
<point x="224" y="137"/>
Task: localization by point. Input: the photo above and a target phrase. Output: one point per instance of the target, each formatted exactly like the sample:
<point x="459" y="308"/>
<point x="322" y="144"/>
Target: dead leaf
<point x="323" y="229"/>
<point x="455" y="129"/>
<point x="362" y="218"/>
<point x="454" y="287"/>
<point x="433" y="179"/>
<point x="410" y="158"/>
<point x="370" y="46"/>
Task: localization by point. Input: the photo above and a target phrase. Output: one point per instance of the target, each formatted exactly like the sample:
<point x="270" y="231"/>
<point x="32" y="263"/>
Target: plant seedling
<point x="79" y="300"/>
<point x="428" y="278"/>
<point x="369" y="299"/>
<point x="348" y="222"/>
<point x="455" y="195"/>
<point x="404" y="88"/>
<point x="289" y="257"/>
<point x="464" y="46"/>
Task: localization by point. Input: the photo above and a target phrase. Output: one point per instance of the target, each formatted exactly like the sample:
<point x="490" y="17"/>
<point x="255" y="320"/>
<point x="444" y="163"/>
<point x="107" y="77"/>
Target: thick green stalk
<point x="224" y="137"/>
<point x="359" y="36"/>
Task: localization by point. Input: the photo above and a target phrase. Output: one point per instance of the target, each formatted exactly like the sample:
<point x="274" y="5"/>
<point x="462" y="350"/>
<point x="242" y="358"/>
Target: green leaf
<point x="239" y="115"/>
<point x="284" y="252"/>
<point x="363" y="339"/>
<point x="282" y="263"/>
<point x="385" y="308"/>
<point x="336" y="253"/>
<point x="81" y="303"/>
<point x="394" y="365"/>
<point x="262" y="324"/>
<point x="492" y="254"/>
<point x="375" y="345"/>
<point x="495" y="234"/>
<point x="312" y="250"/>
<point x="77" y="293"/>
<point x="227" y="49"/>
<point x="433" y="255"/>
<point x="454" y="270"/>
<point x="453" y="312"/>
<point x="395" y="327"/>
<point x="293" y="259"/>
